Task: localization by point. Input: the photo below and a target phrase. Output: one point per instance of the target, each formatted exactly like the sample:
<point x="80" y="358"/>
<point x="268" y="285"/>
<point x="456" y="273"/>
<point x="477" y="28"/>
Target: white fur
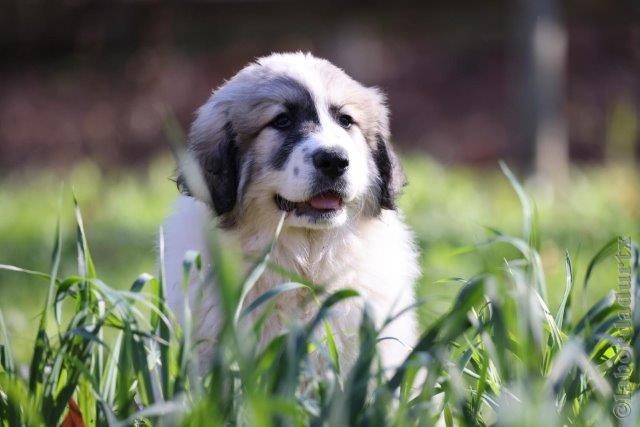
<point x="373" y="254"/>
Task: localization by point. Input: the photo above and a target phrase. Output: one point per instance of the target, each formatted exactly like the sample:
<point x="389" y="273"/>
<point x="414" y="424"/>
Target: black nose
<point x="331" y="162"/>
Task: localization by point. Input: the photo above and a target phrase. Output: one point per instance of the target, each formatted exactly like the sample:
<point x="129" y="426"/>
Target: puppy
<point x="293" y="135"/>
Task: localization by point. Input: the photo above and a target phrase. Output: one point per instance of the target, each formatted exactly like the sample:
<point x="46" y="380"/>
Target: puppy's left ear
<point x="391" y="177"/>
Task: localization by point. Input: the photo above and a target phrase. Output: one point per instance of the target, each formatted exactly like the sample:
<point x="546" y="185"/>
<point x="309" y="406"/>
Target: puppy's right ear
<point x="214" y="156"/>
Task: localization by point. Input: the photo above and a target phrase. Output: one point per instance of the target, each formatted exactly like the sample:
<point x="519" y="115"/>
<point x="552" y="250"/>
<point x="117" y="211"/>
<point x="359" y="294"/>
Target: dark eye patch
<point x="282" y="121"/>
<point x="345" y="120"/>
<point x="300" y="119"/>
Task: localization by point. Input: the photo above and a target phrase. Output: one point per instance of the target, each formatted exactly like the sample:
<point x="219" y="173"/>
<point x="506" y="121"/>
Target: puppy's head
<point x="293" y="133"/>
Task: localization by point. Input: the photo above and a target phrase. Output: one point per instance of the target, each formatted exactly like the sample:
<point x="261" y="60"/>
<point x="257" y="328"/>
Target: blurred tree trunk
<point x="542" y="60"/>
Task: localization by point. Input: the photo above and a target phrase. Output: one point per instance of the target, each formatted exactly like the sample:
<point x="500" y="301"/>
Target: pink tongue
<point x="325" y="201"/>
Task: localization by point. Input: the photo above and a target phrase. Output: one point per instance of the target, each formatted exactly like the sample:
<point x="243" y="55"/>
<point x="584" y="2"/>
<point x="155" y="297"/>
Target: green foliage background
<point x="450" y="208"/>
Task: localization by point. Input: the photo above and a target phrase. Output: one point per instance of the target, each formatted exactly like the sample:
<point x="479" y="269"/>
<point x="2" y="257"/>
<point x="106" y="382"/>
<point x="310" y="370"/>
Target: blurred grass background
<point x="449" y="208"/>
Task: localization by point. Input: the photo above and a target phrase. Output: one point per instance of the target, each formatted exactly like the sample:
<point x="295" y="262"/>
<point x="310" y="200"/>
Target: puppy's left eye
<point x="281" y="122"/>
<point x="345" y="120"/>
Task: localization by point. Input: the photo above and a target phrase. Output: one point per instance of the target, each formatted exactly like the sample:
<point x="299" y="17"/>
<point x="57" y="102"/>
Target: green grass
<point x="516" y="330"/>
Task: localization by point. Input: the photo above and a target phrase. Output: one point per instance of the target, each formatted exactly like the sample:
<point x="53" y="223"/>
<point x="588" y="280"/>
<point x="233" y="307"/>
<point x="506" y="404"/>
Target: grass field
<point x="504" y="360"/>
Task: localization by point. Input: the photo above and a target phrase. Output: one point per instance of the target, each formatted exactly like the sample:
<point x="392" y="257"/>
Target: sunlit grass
<point x="518" y="316"/>
<point x="449" y="209"/>
<point x="501" y="352"/>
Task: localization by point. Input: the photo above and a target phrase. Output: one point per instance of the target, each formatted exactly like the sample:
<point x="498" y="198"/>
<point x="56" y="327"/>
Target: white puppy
<point x="293" y="134"/>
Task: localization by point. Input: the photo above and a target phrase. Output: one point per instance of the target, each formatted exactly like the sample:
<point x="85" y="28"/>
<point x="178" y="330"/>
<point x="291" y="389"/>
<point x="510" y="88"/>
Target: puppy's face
<point x="314" y="158"/>
<point x="292" y="133"/>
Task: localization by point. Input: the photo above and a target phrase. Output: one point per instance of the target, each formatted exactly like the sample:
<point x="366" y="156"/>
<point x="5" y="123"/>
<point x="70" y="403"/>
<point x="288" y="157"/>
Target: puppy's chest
<point x="325" y="267"/>
<point x="358" y="259"/>
<point x="328" y="263"/>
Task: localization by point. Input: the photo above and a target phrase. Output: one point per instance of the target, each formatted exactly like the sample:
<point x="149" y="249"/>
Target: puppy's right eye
<point x="281" y="121"/>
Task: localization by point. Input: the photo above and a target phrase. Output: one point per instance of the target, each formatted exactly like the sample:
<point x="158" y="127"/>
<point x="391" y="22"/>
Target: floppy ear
<point x="390" y="173"/>
<point x="390" y="177"/>
<point x="214" y="148"/>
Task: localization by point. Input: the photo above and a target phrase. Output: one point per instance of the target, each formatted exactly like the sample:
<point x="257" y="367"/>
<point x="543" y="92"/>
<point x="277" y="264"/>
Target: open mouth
<point x="322" y="204"/>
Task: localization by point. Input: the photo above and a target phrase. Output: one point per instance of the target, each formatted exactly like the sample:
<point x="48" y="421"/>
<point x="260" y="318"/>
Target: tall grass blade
<point x="358" y="382"/>
<point x="258" y="270"/>
<point x="635" y="307"/>
<point x="565" y="304"/>
<point x="270" y="295"/>
<point x="6" y="355"/>
<point x="605" y="252"/>
<point x="598" y="312"/>
<point x="85" y="262"/>
<point x="191" y="266"/>
<point x="38" y="274"/>
<point x="525" y="202"/>
<point x="41" y="345"/>
<point x="162" y="328"/>
<point x="332" y="347"/>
